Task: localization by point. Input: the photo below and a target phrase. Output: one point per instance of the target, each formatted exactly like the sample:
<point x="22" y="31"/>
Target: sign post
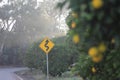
<point x="46" y="45"/>
<point x="47" y="67"/>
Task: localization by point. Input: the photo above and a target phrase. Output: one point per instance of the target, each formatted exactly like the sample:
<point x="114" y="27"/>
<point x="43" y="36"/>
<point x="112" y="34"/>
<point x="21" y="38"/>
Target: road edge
<point x="18" y="77"/>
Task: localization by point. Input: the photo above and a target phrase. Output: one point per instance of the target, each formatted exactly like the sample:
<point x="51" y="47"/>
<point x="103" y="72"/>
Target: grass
<point x="38" y="75"/>
<point x="72" y="78"/>
<point x="66" y="77"/>
<point x="42" y="77"/>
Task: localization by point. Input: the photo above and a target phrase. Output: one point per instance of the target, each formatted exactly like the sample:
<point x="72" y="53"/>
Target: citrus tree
<point x="94" y="26"/>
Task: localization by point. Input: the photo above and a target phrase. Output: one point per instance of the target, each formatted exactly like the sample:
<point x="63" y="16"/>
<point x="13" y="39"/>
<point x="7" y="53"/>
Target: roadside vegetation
<point x="95" y="28"/>
<point x="92" y="44"/>
<point x="36" y="74"/>
<point x="61" y="57"/>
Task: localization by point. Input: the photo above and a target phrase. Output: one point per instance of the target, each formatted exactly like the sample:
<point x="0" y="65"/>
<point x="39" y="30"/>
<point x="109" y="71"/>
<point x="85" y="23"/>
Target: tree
<point x="27" y="18"/>
<point x="8" y="16"/>
<point x="12" y="15"/>
<point x="25" y="21"/>
<point x="94" y="26"/>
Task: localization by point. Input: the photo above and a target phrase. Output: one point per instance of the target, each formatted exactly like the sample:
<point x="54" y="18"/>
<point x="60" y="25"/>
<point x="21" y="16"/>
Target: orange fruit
<point x="76" y="39"/>
<point x="74" y="14"/>
<point x="94" y="70"/>
<point x="102" y="47"/>
<point x="93" y="51"/>
<point x="97" y="4"/>
<point x="98" y="58"/>
<point x="73" y="25"/>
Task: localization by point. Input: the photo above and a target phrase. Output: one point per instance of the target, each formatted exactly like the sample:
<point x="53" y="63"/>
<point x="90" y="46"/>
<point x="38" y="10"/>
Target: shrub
<point x="60" y="58"/>
<point x="97" y="24"/>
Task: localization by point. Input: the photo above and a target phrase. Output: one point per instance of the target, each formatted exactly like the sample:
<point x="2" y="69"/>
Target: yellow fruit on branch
<point x="97" y="4"/>
<point x="94" y="70"/>
<point x="76" y="39"/>
<point x="97" y="58"/>
<point x="93" y="51"/>
<point x="102" y="47"/>
<point x="73" y="25"/>
<point x="74" y="14"/>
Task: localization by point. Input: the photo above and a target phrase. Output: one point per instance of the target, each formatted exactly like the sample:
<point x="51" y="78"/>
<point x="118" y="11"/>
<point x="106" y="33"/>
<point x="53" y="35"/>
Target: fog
<point x="30" y="21"/>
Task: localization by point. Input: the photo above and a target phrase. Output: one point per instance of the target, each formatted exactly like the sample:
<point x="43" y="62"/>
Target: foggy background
<point x="23" y="22"/>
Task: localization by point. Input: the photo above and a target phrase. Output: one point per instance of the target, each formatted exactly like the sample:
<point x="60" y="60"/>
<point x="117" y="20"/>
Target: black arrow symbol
<point x="46" y="45"/>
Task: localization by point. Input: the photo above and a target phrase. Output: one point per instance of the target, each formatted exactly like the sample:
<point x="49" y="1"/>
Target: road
<point x="8" y="73"/>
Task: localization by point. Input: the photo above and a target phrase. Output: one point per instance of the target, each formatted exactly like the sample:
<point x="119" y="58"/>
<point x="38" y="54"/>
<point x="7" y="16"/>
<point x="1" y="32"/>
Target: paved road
<point x="8" y="73"/>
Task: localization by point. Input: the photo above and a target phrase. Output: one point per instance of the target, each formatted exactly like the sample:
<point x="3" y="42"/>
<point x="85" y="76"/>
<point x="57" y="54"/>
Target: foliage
<point x="12" y="56"/>
<point x="33" y="58"/>
<point x="97" y="22"/>
<point x="21" y="22"/>
<point x="60" y="58"/>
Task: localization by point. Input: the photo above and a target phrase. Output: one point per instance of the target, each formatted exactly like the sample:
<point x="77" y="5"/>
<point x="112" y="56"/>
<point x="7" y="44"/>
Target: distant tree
<point x="9" y="16"/>
<point x="26" y="18"/>
<point x="25" y="21"/>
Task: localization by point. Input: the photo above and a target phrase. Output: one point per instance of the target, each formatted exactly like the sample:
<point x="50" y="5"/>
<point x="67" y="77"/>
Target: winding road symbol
<point x="46" y="45"/>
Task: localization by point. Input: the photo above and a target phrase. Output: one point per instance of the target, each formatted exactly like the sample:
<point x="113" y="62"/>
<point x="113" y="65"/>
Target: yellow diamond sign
<point x="46" y="45"/>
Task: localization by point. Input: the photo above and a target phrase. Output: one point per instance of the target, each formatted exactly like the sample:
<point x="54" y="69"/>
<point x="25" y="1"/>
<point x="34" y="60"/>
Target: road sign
<point x="46" y="45"/>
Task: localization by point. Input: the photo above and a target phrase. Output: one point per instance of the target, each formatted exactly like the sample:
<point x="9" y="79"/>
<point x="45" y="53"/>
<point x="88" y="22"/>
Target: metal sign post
<point x="47" y="66"/>
<point x="47" y="45"/>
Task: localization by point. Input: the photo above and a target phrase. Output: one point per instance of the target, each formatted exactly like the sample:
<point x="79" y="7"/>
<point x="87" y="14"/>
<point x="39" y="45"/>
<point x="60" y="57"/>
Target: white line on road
<point x="18" y="77"/>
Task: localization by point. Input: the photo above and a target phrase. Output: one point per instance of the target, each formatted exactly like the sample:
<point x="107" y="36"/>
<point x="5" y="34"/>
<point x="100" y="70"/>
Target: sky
<point x="5" y="2"/>
<point x="40" y="0"/>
